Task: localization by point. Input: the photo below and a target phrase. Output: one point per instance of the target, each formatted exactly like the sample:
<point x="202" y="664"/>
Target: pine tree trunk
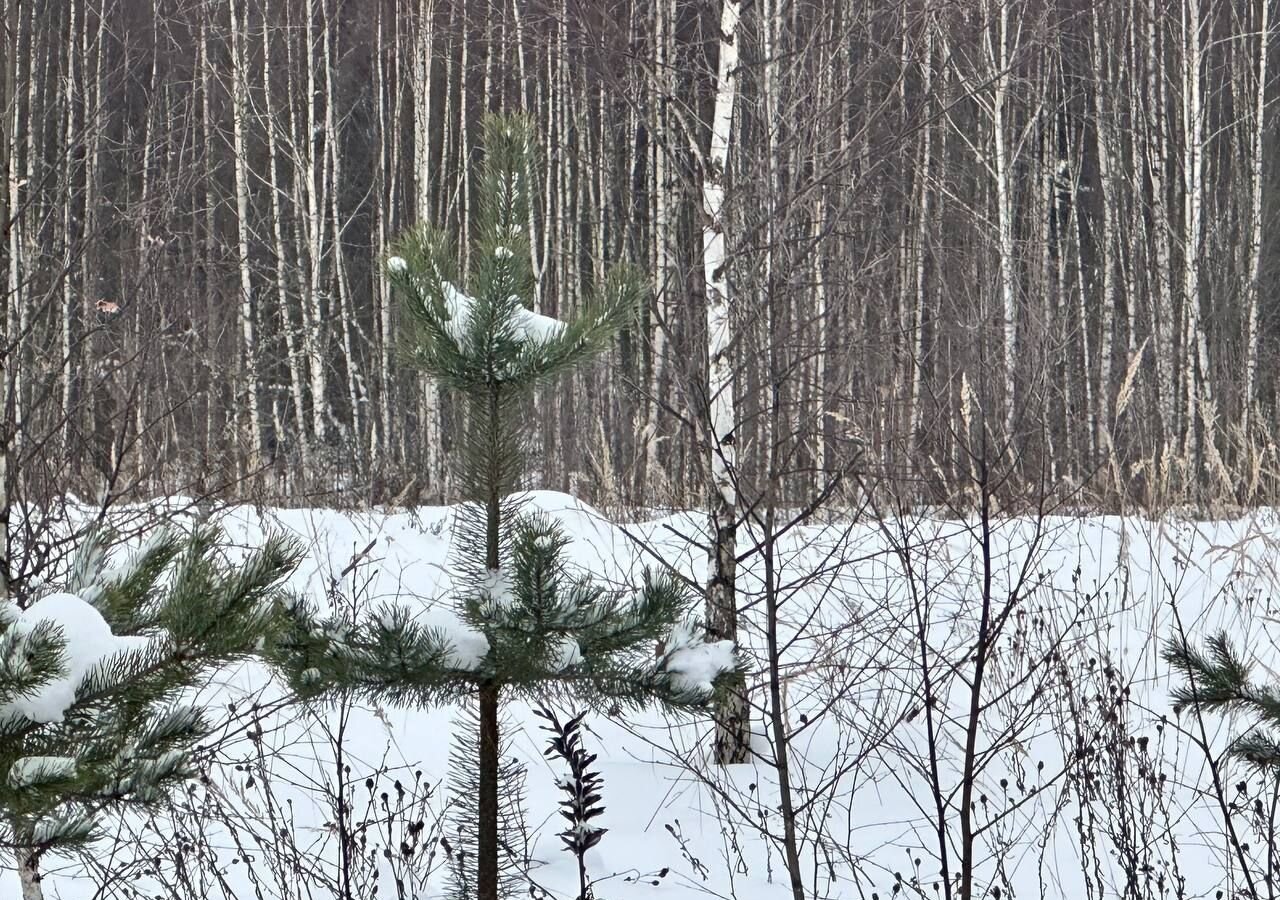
<point x="487" y="802"/>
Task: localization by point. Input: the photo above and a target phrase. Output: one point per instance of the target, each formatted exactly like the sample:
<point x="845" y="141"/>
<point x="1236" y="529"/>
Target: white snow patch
<point x="496" y="585"/>
<point x="567" y="654"/>
<point x="469" y="648"/>
<point x="458" y="305"/>
<point x="537" y="328"/>
<point x="89" y="642"/>
<point x="397" y="264"/>
<point x="502" y="252"/>
<point x="696" y="668"/>
<point x="529" y="326"/>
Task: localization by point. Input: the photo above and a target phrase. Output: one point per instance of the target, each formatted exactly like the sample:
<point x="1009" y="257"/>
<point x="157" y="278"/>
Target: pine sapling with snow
<point x="582" y="801"/>
<point x="92" y="679"/>
<point x="529" y="626"/>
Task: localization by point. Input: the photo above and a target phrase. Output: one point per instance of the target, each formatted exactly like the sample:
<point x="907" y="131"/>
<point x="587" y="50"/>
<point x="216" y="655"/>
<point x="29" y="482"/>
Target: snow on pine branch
<point x="693" y="663"/>
<point x="28" y="771"/>
<point x="529" y="326"/>
<point x="89" y="642"/>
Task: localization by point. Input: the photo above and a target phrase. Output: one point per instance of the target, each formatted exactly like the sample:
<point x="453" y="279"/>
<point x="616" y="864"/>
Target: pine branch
<point x="1218" y="680"/>
<point x="114" y="734"/>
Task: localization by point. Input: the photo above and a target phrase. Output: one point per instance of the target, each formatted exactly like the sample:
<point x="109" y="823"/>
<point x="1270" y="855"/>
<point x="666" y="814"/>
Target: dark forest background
<point x="1041" y="227"/>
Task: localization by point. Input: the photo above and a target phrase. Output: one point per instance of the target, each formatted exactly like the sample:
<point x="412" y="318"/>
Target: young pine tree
<point x="92" y="677"/>
<point x="545" y="632"/>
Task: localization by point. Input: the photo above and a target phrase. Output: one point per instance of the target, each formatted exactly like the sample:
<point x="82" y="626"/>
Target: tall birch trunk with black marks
<point x="1253" y="287"/>
<point x="1156" y="143"/>
<point x="248" y="330"/>
<point x="1105" y="145"/>
<point x="1199" y="389"/>
<point x="732" y="717"/>
<point x="426" y="174"/>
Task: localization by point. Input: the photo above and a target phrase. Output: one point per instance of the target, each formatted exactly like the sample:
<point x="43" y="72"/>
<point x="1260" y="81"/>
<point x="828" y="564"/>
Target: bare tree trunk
<point x="11" y="409"/>
<point x="1199" y="376"/>
<point x="314" y="313"/>
<point x="69" y="218"/>
<point x="1254" y="285"/>
<point x="297" y="379"/>
<point x="924" y="193"/>
<point x="424" y="54"/>
<point x="664" y="274"/>
<point x="732" y="726"/>
<point x="385" y="173"/>
<point x="1103" y="133"/>
<point x="347" y="314"/>
<point x="248" y="331"/>
<point x="12" y="342"/>
<point x="998" y="60"/>
<point x="1156" y="140"/>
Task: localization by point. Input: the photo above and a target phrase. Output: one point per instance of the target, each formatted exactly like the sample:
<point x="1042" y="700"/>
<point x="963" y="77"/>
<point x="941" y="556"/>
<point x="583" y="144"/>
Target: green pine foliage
<point x="1219" y="680"/>
<point x="549" y="633"/>
<point x="122" y="733"/>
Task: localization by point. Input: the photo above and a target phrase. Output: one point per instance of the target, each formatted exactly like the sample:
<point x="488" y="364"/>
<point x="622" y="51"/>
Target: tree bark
<point x="1254" y="286"/>
<point x="732" y="721"/>
<point x="248" y="329"/>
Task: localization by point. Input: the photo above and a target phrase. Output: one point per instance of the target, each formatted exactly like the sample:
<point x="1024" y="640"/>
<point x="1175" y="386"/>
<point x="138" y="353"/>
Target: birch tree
<point x="732" y="727"/>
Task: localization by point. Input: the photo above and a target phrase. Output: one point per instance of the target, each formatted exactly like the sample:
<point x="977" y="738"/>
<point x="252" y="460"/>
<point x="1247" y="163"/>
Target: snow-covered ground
<point x="1077" y="670"/>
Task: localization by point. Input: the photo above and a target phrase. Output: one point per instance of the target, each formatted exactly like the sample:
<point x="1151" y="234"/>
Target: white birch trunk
<point x="314" y="313"/>
<point x="923" y="224"/>
<point x="1103" y="132"/>
<point x="429" y="397"/>
<point x="68" y="223"/>
<point x="999" y="60"/>
<point x="249" y="345"/>
<point x="1199" y="380"/>
<point x="349" y="324"/>
<point x="1162" y="309"/>
<point x="1254" y="286"/>
<point x="722" y="614"/>
<point x="14" y="322"/>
